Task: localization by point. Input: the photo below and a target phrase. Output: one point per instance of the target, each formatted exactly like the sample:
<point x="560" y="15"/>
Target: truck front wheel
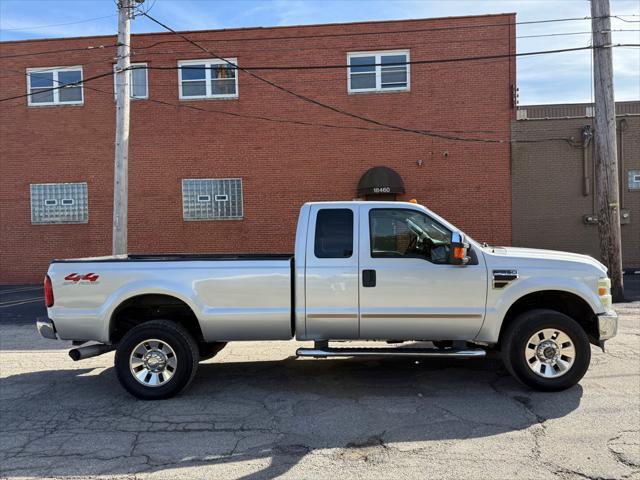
<point x="546" y="350"/>
<point x="156" y="360"/>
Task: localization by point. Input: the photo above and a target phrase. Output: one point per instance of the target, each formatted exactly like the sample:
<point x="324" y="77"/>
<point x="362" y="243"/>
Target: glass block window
<point x="212" y="198"/>
<point x="53" y="203"/>
<point x="66" y="83"/>
<point x="634" y="179"/>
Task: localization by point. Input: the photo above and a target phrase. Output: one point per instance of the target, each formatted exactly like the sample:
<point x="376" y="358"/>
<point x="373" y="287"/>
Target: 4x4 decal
<point x="76" y="277"/>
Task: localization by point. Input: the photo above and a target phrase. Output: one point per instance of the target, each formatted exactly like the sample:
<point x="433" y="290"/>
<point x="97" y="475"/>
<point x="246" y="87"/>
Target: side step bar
<point x="327" y="352"/>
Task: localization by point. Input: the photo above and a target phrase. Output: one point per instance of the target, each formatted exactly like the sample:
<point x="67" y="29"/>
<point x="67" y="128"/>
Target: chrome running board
<point x="389" y="352"/>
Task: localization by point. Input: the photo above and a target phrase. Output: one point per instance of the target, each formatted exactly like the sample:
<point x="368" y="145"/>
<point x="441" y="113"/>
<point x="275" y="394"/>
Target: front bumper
<point x="607" y="325"/>
<point x="46" y="328"/>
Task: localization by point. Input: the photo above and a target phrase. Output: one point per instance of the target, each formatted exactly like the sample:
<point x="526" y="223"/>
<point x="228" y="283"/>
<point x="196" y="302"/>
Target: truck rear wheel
<point x="156" y="360"/>
<point x="546" y="350"/>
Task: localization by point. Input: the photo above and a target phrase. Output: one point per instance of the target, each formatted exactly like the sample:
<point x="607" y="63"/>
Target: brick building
<point x="553" y="182"/>
<point x="201" y="149"/>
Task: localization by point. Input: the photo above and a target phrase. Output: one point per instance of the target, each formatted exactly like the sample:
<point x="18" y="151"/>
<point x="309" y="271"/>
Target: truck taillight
<point x="48" y="292"/>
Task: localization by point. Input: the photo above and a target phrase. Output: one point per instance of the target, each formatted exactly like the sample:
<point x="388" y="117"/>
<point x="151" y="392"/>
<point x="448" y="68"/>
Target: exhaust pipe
<point x="90" y="351"/>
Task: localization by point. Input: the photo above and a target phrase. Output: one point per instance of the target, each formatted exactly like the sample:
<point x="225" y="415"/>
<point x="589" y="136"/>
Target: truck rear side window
<point x="334" y="233"/>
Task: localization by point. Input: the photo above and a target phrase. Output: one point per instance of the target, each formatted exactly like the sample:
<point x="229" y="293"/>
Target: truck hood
<point x="534" y="253"/>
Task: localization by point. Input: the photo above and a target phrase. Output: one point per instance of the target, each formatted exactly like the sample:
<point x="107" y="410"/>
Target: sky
<point x="554" y="78"/>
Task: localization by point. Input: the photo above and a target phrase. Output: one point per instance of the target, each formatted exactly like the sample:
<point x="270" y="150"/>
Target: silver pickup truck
<point x="385" y="271"/>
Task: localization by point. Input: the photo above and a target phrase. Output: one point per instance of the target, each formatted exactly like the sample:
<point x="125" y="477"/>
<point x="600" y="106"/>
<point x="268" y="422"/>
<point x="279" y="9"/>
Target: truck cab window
<point x="334" y="233"/>
<point x="398" y="233"/>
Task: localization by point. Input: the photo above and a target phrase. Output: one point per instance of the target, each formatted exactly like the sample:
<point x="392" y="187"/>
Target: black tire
<point x="210" y="350"/>
<point x="526" y="325"/>
<point x="178" y="339"/>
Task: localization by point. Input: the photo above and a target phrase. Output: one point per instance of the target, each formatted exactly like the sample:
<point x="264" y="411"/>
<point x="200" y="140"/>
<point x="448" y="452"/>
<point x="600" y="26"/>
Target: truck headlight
<point x="604" y="291"/>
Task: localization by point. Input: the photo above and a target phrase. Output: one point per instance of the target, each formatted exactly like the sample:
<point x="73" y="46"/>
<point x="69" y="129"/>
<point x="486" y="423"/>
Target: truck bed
<point x="234" y="296"/>
<point x="178" y="257"/>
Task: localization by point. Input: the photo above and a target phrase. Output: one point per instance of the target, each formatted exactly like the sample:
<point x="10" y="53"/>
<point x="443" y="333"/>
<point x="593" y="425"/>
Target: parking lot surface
<point x="255" y="411"/>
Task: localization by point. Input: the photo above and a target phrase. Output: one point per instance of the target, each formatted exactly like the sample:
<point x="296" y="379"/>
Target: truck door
<point x="407" y="288"/>
<point x="332" y="273"/>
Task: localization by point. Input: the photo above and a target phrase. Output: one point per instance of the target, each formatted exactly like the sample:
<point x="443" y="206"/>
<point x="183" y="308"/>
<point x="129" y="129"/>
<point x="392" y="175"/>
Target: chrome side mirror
<point x="458" y="249"/>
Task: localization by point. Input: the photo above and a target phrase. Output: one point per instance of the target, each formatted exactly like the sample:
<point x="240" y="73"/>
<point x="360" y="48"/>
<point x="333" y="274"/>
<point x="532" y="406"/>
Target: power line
<point x="64" y="50"/>
<point x="79" y="83"/>
<point x="56" y="24"/>
<point x="327" y="125"/>
<point x="51" y="69"/>
<point x="326" y="106"/>
<point x="330" y="35"/>
<point x="344" y="66"/>
<point x="186" y="67"/>
<point x="382" y="32"/>
<point x="253" y="49"/>
<point x="403" y="45"/>
<point x="312" y="67"/>
<point x="619" y="17"/>
<point x="410" y="62"/>
<point x="255" y="117"/>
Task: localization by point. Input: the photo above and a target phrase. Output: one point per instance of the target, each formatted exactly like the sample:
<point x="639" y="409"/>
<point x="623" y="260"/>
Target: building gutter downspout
<point x="587" y="134"/>
<point x="621" y="129"/>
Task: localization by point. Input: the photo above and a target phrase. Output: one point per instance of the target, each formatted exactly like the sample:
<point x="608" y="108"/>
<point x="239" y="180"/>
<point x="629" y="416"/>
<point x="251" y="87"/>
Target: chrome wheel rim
<point x="550" y="353"/>
<point x="153" y="363"/>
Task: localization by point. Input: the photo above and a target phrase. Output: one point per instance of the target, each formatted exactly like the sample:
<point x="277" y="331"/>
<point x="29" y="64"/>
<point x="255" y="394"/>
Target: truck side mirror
<point x="458" y="249"/>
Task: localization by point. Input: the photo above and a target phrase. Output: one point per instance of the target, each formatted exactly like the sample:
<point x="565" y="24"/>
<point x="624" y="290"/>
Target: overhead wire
<point x="381" y="32"/>
<point x="409" y="62"/>
<point x="63" y="50"/>
<point x="381" y="125"/>
<point x="619" y="17"/>
<point x="324" y="105"/>
<point x="38" y="27"/>
<point x="253" y="49"/>
<point x="262" y="117"/>
<point x="300" y="122"/>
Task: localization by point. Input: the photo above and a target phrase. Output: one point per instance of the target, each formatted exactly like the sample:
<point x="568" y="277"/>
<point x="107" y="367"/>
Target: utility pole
<point x="605" y="147"/>
<point x="121" y="166"/>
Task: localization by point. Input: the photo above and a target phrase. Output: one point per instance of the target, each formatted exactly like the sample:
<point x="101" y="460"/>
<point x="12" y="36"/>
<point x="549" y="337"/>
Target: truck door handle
<point x="368" y="278"/>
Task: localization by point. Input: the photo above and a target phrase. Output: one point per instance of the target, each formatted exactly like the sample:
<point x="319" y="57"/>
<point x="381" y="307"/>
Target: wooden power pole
<point x="120" y="180"/>
<point x="608" y="196"/>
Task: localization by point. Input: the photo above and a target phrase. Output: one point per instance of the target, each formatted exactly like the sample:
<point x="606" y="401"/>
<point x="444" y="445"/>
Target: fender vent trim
<point x="502" y="278"/>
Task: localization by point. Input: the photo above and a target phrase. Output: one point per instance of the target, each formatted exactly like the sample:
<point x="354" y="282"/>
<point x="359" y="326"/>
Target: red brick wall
<point x="282" y="165"/>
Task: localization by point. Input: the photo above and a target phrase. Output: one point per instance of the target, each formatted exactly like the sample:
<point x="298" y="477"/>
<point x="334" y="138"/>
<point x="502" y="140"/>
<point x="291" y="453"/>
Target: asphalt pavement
<point x="255" y="411"/>
<point x="21" y="304"/>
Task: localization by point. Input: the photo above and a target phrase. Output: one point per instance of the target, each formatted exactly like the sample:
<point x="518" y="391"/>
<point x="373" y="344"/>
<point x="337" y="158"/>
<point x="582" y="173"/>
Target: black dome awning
<point x="380" y="180"/>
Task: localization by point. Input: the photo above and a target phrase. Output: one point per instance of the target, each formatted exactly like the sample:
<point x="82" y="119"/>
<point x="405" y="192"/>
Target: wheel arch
<point x="143" y="307"/>
<point x="568" y="303"/>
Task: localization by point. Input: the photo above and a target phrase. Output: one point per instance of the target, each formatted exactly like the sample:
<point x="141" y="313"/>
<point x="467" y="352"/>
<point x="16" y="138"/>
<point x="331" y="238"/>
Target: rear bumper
<point x="607" y="325"/>
<point x="46" y="328"/>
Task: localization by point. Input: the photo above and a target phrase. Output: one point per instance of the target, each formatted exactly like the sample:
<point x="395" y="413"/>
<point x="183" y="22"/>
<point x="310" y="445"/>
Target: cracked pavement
<point x="255" y="412"/>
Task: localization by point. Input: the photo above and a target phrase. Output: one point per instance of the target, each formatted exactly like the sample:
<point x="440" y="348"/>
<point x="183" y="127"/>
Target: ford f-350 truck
<point x="385" y="271"/>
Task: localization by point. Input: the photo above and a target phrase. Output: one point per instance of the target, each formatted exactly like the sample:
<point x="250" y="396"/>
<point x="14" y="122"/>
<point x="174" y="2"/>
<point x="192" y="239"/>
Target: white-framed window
<point x="199" y="79"/>
<point x="55" y="203"/>
<point x="41" y="81"/>
<point x="138" y="81"/>
<point x="212" y="199"/>
<point x="385" y="71"/>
